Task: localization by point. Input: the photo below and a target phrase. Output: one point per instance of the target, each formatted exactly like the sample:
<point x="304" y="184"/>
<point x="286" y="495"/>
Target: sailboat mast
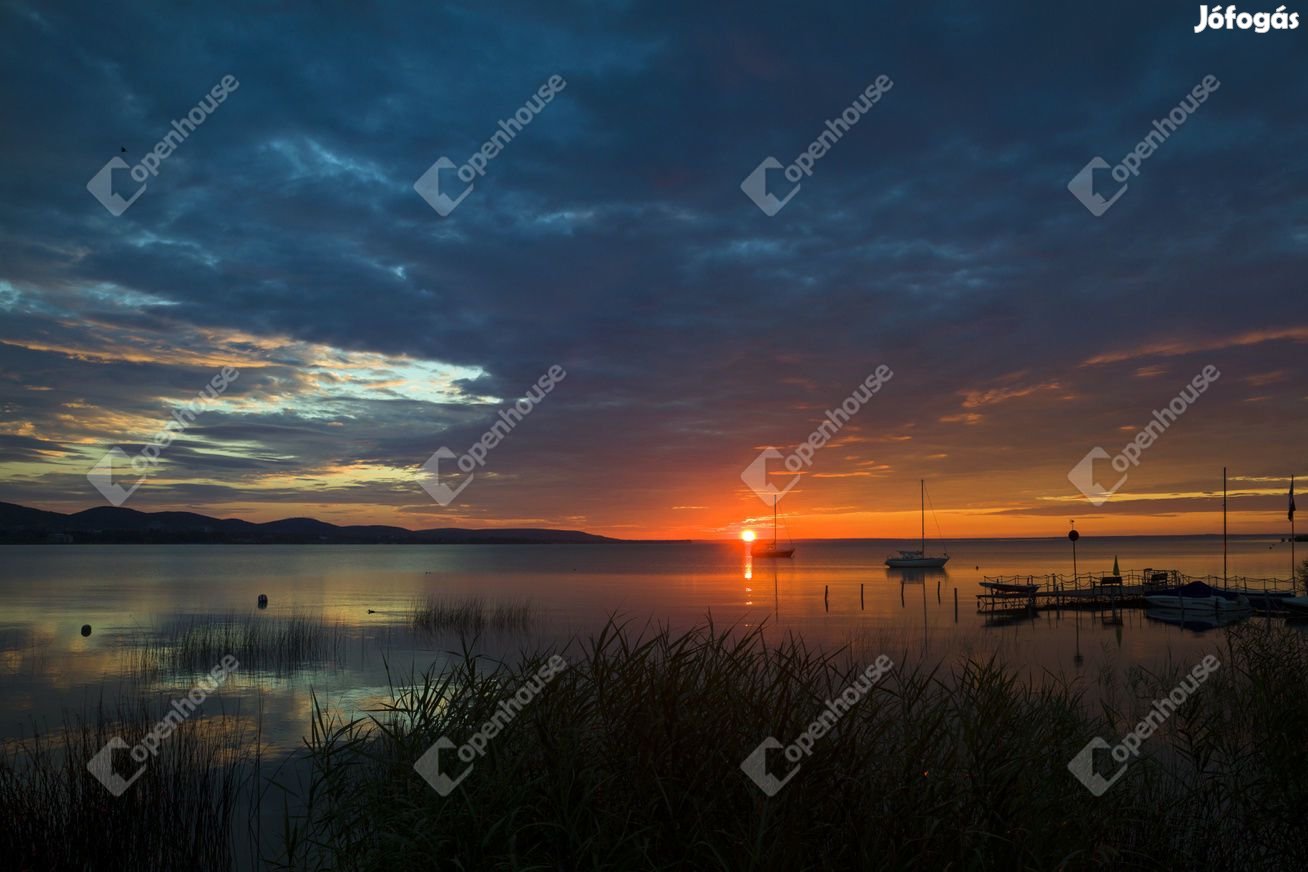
<point x="922" y="498"/>
<point x="774" y="523"/>
<point x="1223" y="528"/>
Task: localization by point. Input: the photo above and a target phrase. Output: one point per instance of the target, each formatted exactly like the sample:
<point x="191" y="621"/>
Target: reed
<point x="280" y="645"/>
<point x="178" y="814"/>
<point x="630" y="759"/>
<point x="471" y="615"/>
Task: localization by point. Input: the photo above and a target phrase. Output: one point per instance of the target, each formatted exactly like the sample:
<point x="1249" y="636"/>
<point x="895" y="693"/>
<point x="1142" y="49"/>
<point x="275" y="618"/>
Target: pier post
<point x="860" y="595"/>
<point x="955" y="605"/>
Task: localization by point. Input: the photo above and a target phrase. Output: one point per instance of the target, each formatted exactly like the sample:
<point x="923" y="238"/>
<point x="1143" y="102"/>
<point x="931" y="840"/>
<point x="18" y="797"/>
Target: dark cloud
<point x="284" y="237"/>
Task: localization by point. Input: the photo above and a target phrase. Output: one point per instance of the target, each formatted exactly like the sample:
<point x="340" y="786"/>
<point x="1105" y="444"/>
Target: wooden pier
<point x="1111" y="592"/>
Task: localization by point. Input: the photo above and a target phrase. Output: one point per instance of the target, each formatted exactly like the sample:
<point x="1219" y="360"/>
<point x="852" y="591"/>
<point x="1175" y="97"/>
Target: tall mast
<point x="922" y="497"/>
<point x="1223" y="528"/>
<point x="774" y="523"/>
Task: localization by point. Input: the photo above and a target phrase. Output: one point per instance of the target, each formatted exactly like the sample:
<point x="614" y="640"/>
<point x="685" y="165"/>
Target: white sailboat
<point x="774" y="550"/>
<point x="918" y="559"/>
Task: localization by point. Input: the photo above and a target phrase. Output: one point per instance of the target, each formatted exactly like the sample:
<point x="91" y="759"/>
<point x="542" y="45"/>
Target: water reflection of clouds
<point x="47" y="669"/>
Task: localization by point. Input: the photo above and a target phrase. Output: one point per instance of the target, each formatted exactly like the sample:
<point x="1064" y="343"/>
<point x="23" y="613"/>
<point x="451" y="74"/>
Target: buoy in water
<point x="86" y="629"/>
<point x="263" y="600"/>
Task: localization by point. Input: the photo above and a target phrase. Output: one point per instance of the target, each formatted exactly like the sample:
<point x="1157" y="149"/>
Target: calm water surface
<point x="135" y="593"/>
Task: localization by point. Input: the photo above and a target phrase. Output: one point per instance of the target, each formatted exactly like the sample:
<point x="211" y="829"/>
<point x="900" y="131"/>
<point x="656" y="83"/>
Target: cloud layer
<point x="284" y="238"/>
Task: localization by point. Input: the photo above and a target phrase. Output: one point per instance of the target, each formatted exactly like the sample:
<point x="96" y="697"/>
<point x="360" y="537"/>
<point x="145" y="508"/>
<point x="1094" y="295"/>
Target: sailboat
<point x="918" y="559"/>
<point x="774" y="550"/>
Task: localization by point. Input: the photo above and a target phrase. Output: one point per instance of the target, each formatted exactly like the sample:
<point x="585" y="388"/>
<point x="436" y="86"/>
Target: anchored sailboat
<point x="918" y="559"/>
<point x="774" y="550"/>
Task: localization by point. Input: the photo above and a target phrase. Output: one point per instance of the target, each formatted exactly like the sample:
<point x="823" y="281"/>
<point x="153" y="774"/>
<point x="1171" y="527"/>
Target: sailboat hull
<point x="775" y="552"/>
<point x="916" y="562"/>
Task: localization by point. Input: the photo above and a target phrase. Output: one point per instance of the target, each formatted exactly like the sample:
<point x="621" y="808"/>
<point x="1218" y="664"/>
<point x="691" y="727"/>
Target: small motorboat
<point x="1005" y="587"/>
<point x="1295" y="605"/>
<point x="1197" y="596"/>
<point x="1271" y="600"/>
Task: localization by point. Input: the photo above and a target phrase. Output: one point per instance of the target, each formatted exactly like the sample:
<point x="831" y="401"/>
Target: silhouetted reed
<point x="470" y="616"/>
<point x="631" y="759"/>
<point x="178" y="814"/>
<point x="260" y="642"/>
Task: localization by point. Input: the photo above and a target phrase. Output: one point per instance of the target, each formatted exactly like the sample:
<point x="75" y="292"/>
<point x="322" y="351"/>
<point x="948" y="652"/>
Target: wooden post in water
<point x="860" y="595"/>
<point x="955" y="605"/>
<point x="826" y="597"/>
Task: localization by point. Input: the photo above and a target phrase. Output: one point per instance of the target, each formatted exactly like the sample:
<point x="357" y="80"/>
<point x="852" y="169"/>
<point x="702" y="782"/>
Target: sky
<point x="610" y="237"/>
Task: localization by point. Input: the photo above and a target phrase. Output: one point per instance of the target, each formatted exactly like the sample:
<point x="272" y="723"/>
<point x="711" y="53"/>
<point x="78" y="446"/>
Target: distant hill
<point x="106" y="524"/>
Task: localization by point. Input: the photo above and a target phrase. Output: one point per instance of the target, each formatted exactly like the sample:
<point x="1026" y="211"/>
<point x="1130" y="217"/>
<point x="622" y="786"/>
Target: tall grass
<point x="177" y="815"/>
<point x="280" y="645"/>
<point x="469" y="616"/>
<point x="631" y="760"/>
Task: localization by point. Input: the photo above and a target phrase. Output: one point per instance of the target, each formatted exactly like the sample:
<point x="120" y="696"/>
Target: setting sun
<point x="748" y="535"/>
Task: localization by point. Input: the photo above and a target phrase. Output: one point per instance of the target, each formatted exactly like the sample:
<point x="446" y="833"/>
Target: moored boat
<point x="1295" y="605"/>
<point x="1196" y="595"/>
<point x="774" y="550"/>
<point x="919" y="559"/>
<point x="916" y="560"/>
<point x="1270" y="600"/>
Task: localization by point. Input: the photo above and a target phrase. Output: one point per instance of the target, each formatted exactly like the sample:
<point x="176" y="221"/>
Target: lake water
<point x="363" y="594"/>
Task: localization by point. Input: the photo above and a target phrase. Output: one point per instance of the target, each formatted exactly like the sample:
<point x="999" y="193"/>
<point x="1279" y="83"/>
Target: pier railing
<point x="1056" y="582"/>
